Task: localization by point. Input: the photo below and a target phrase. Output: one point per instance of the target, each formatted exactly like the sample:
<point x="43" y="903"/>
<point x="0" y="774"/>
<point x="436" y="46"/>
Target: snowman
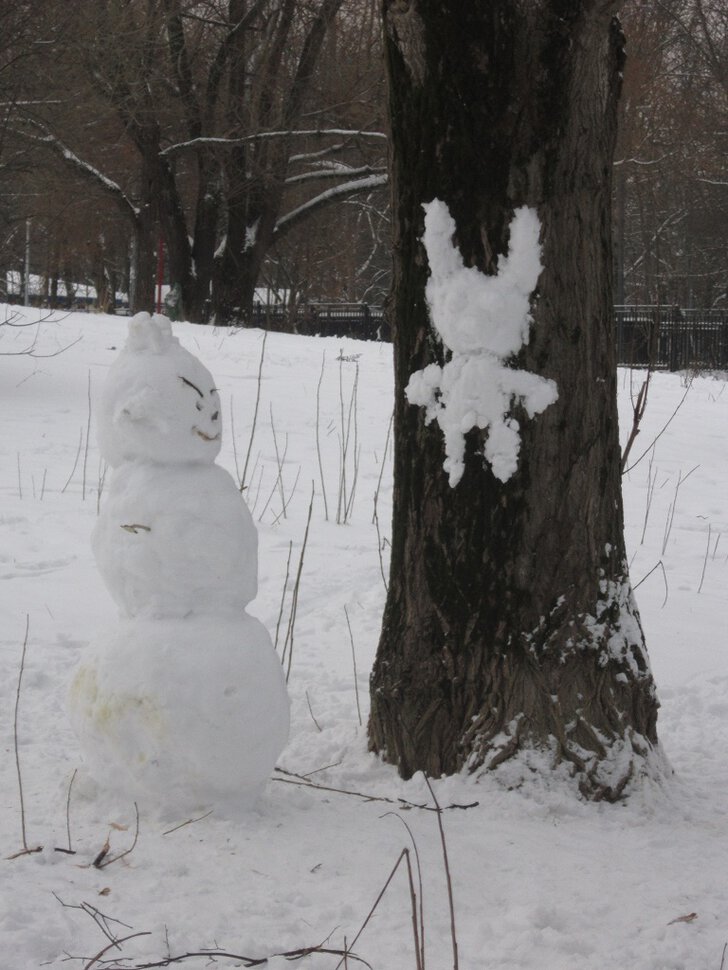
<point x="183" y="705"/>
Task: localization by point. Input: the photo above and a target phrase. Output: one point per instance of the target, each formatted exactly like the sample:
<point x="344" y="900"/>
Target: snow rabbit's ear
<point x="140" y="410"/>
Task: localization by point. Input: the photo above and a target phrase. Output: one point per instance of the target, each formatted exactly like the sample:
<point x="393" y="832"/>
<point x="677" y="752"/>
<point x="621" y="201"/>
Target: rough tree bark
<point x="510" y="623"/>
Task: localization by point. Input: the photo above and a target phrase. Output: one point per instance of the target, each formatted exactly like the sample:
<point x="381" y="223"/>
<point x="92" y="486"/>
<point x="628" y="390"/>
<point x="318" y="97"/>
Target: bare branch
<point x="196" y="143"/>
<point x="292" y="218"/>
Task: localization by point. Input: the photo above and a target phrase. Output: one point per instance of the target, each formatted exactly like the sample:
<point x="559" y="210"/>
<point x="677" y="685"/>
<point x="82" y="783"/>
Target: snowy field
<point x="540" y="880"/>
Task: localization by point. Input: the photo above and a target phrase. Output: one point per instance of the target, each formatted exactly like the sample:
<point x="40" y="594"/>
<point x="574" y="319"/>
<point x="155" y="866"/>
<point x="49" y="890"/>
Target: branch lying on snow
<point x="293" y="779"/>
<point x="245" y="961"/>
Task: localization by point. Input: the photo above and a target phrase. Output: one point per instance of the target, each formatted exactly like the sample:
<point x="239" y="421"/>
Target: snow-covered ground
<point x="540" y="879"/>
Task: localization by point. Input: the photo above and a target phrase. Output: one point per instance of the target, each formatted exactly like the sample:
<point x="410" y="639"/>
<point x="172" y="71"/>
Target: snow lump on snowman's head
<point x="159" y="402"/>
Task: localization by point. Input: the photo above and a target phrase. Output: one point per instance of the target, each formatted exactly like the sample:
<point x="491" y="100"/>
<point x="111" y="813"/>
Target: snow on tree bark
<point x="510" y="623"/>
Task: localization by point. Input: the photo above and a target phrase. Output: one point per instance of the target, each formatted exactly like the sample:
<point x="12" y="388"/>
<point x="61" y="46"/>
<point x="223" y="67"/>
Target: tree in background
<point x="510" y="624"/>
<point x="189" y="118"/>
<point x="671" y="188"/>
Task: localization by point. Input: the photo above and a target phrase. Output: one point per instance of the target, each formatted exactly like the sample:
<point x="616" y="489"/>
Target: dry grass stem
<point x="651" y="482"/>
<point x="381" y="469"/>
<point x="419" y="931"/>
<point x="288" y="643"/>
<point x="70" y="850"/>
<point x="671" y="511"/>
<point x="75" y="462"/>
<point x="279" y="462"/>
<point x="404" y="854"/>
<point x="88" y="439"/>
<point x="103" y="470"/>
<point x="233" y="439"/>
<point x="353" y="660"/>
<point x="318" y="440"/>
<point x="283" y="594"/>
<point x="705" y="561"/>
<point x="348" y="416"/>
<point x="255" y="412"/>
<point x="102" y="860"/>
<point x="26" y="850"/>
<point x="448" y="879"/>
<point x="310" y="711"/>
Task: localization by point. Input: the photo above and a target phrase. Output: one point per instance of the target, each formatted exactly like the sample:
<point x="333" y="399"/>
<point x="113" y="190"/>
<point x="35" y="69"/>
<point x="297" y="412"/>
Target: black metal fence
<point x="670" y="338"/>
<point x="359" y="320"/>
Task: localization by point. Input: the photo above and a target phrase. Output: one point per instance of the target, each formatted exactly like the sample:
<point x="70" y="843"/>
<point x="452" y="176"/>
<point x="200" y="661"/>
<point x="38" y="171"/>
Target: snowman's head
<point x="159" y="403"/>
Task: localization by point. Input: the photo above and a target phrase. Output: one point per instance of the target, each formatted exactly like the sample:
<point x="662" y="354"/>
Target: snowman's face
<point x="160" y="407"/>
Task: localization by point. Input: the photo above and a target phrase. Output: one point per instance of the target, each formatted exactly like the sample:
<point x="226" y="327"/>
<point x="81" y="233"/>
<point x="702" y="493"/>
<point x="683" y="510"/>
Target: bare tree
<point x="210" y="98"/>
<point x="671" y="198"/>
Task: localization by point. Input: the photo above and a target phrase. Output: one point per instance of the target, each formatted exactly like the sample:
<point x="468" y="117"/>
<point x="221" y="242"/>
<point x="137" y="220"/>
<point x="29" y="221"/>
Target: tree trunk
<point x="510" y="623"/>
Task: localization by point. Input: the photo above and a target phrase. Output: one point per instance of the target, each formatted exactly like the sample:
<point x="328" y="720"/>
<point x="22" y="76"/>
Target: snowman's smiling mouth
<point x="206" y="437"/>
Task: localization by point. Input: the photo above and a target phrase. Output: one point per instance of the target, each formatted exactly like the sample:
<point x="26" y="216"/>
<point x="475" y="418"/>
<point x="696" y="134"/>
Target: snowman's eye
<point x="216" y="415"/>
<point x="198" y="405"/>
<point x="190" y="384"/>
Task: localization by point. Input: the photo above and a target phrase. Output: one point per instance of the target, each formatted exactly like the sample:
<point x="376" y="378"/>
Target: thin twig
<point x="210" y="955"/>
<point x="448" y="878"/>
<point x="380" y="547"/>
<point x="189" y="821"/>
<point x="660" y="433"/>
<point x="638" y="412"/>
<point x="116" y="943"/>
<point x="301" y="780"/>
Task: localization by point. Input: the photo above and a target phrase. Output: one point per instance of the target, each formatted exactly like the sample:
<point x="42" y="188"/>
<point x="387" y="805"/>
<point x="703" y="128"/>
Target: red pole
<point x="160" y="273"/>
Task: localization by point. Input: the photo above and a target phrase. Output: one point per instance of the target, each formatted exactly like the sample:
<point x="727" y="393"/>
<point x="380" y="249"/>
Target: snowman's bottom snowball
<point x="182" y="714"/>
